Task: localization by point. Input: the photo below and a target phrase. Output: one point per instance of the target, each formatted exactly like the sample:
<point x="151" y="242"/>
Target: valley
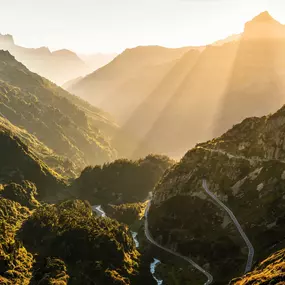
<point x="153" y="165"/>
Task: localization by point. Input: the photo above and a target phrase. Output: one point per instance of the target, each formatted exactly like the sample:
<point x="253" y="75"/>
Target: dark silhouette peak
<point x="263" y="17"/>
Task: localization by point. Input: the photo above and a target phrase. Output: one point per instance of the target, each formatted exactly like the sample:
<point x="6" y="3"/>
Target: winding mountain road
<point x="223" y="206"/>
<point x="237" y="224"/>
<point x="250" y="159"/>
<point x="187" y="259"/>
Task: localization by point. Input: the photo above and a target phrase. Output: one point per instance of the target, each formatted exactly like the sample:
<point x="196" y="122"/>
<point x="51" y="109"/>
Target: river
<point x="100" y="212"/>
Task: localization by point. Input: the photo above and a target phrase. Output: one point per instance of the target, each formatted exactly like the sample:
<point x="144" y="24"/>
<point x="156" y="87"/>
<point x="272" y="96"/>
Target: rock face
<point x="245" y="169"/>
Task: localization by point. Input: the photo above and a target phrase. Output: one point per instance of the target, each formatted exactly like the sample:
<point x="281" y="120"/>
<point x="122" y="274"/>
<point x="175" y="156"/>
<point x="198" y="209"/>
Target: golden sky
<point x="88" y="26"/>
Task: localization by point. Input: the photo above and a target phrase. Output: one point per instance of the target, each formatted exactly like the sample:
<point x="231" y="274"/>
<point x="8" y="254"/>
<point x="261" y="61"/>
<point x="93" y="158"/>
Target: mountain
<point x="256" y="86"/>
<point x="97" y="60"/>
<point x="226" y="84"/>
<point x="19" y="163"/>
<point x="66" y="124"/>
<point x="69" y="245"/>
<point x="57" y="163"/>
<point x="217" y="86"/>
<point x="58" y="66"/>
<point x="232" y="38"/>
<point x="269" y="271"/>
<point x="127" y="79"/>
<point x="71" y="82"/>
<point x="167" y="119"/>
<point x="245" y="169"/>
<point x="6" y="40"/>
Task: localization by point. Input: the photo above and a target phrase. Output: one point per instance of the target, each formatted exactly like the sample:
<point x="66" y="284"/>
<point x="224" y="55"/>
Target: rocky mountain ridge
<point x="59" y="66"/>
<point x="245" y="169"/>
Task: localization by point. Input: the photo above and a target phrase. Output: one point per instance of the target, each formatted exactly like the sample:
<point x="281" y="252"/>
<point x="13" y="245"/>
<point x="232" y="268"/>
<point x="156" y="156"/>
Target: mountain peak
<point x="263" y="17"/>
<point x="264" y="26"/>
<point x="6" y="40"/>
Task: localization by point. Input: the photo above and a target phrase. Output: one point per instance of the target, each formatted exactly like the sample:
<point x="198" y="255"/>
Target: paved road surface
<point x="187" y="259"/>
<point x="237" y="224"/>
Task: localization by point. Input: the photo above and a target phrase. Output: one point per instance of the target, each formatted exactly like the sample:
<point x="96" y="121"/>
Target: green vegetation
<point x="19" y="163"/>
<point x="64" y="123"/>
<point x="24" y="193"/>
<point x="268" y="272"/>
<point x="122" y="181"/>
<point x="92" y="248"/>
<point x="58" y="163"/>
<point x="15" y="261"/>
<point x="245" y="169"/>
<point x="64" y="244"/>
<point x="126" y="213"/>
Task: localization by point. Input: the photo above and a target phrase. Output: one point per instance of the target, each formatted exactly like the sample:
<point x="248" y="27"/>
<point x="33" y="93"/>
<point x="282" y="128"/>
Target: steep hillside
<point x="217" y="86"/>
<point x="20" y="163"/>
<point x="222" y="86"/>
<point x="270" y="271"/>
<point x="245" y="169"/>
<point x="69" y="245"/>
<point x="59" y="164"/>
<point x="58" y="66"/>
<point x="64" y="123"/>
<point x="97" y="60"/>
<point x="122" y="181"/>
<point x="120" y="86"/>
<point x="256" y="85"/>
<point x="71" y="82"/>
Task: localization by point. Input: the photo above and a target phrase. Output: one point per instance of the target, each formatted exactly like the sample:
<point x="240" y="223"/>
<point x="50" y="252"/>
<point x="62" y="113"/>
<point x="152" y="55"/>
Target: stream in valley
<point x="100" y="212"/>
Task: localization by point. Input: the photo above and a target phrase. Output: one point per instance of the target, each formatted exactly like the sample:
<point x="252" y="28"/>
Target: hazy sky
<point x="88" y="26"/>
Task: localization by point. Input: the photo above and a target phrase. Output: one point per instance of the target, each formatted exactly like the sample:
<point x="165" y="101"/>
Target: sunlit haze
<point x="88" y="26"/>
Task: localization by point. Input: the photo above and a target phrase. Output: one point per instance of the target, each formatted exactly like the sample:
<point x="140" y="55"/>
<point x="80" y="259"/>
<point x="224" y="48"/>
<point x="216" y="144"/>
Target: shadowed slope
<point x="128" y="79"/>
<point x="256" y="86"/>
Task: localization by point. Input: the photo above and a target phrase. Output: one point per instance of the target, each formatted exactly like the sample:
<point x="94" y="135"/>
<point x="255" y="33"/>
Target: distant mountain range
<point x="121" y="86"/>
<point x="169" y="99"/>
<point x="59" y="66"/>
<point x="54" y="146"/>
